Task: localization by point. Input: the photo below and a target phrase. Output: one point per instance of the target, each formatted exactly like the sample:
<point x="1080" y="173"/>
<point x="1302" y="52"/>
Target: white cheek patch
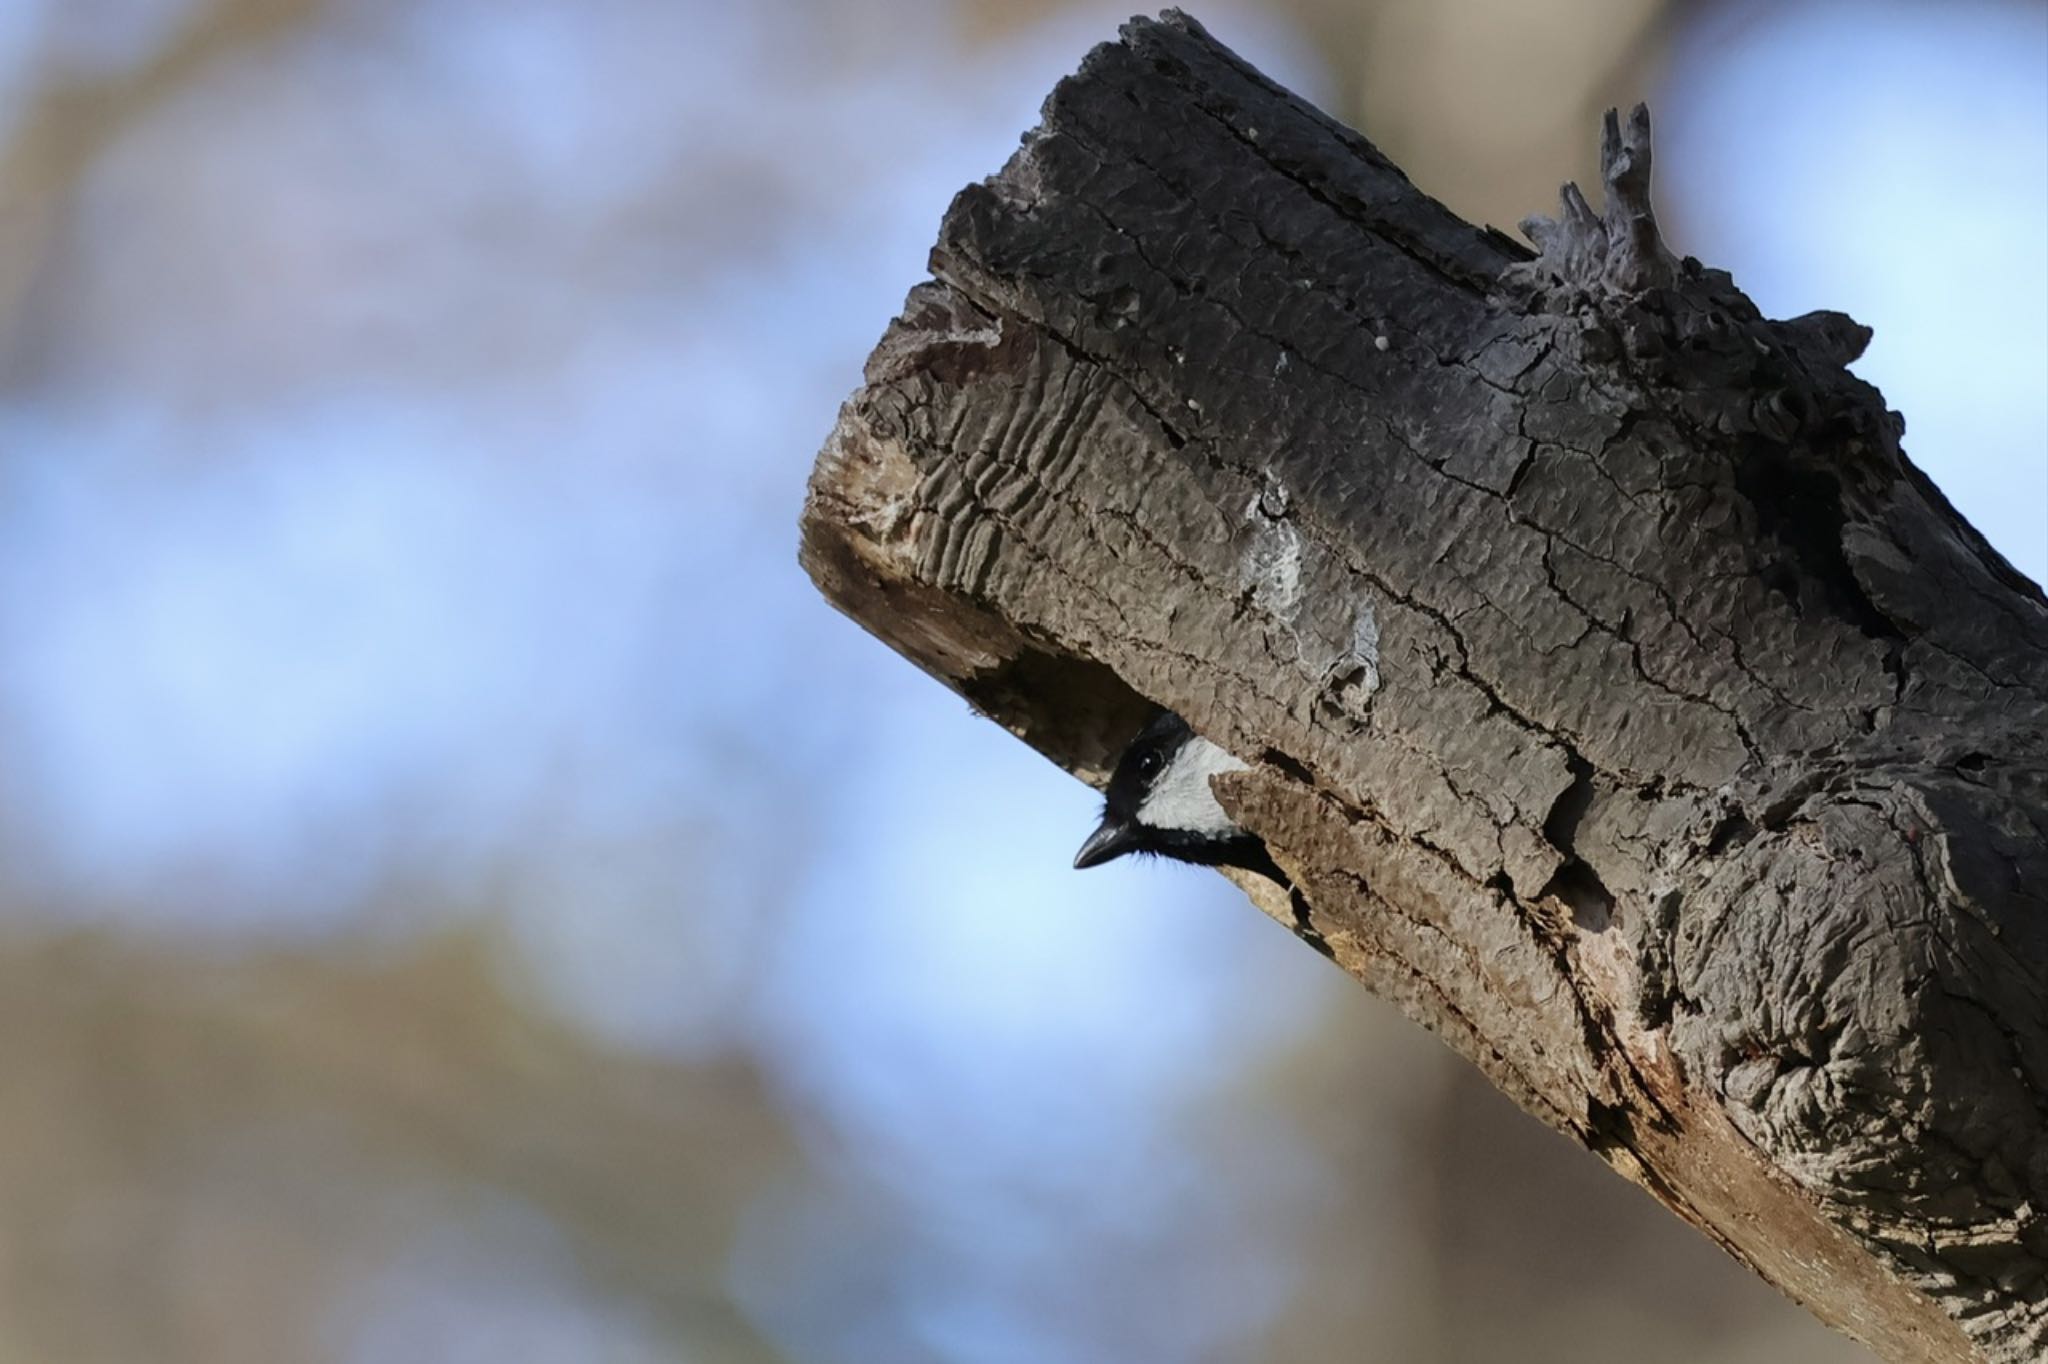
<point x="1181" y="798"/>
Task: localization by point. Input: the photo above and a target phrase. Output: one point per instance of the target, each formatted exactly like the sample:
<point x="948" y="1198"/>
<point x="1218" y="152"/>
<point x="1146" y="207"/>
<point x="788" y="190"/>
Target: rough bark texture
<point x="1633" y="713"/>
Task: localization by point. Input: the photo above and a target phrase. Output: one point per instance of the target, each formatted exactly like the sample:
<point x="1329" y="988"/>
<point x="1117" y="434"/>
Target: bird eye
<point x="1148" y="762"/>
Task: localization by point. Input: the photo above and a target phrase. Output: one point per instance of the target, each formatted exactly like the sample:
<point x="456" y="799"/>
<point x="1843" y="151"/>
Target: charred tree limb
<point x="1630" y="709"/>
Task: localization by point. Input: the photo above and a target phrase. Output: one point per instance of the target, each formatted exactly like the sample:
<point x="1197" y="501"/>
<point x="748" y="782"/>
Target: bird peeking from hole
<point x="1159" y="802"/>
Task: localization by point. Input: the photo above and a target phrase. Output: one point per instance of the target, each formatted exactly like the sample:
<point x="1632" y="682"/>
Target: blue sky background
<point x="401" y="440"/>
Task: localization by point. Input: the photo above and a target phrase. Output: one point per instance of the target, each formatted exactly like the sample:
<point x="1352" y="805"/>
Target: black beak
<point x="1111" y="839"/>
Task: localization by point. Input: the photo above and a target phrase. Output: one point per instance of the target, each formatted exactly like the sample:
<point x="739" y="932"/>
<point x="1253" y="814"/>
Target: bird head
<point x="1159" y="802"/>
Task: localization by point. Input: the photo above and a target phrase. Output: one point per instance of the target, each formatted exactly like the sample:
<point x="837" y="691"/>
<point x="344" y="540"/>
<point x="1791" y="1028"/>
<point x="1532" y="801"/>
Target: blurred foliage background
<point x="463" y="897"/>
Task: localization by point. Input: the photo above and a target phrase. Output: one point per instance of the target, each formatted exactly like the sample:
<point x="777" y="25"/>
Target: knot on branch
<point x="1688" y="332"/>
<point x="1824" y="339"/>
<point x="1618" y="250"/>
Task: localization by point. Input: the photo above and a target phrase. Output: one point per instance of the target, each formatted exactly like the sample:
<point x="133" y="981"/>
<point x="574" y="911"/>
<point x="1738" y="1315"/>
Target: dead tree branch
<point x="1634" y="714"/>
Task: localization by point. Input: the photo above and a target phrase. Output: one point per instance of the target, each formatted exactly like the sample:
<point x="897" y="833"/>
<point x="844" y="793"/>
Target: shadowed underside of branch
<point x="1630" y="710"/>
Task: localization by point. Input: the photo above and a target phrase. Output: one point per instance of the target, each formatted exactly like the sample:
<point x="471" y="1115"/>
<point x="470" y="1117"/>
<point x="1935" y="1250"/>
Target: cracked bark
<point x="1631" y="711"/>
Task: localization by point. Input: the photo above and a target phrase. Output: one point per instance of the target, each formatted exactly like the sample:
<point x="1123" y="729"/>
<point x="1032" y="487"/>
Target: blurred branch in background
<point x="1416" y="69"/>
<point x="72" y="117"/>
<point x="1493" y="97"/>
